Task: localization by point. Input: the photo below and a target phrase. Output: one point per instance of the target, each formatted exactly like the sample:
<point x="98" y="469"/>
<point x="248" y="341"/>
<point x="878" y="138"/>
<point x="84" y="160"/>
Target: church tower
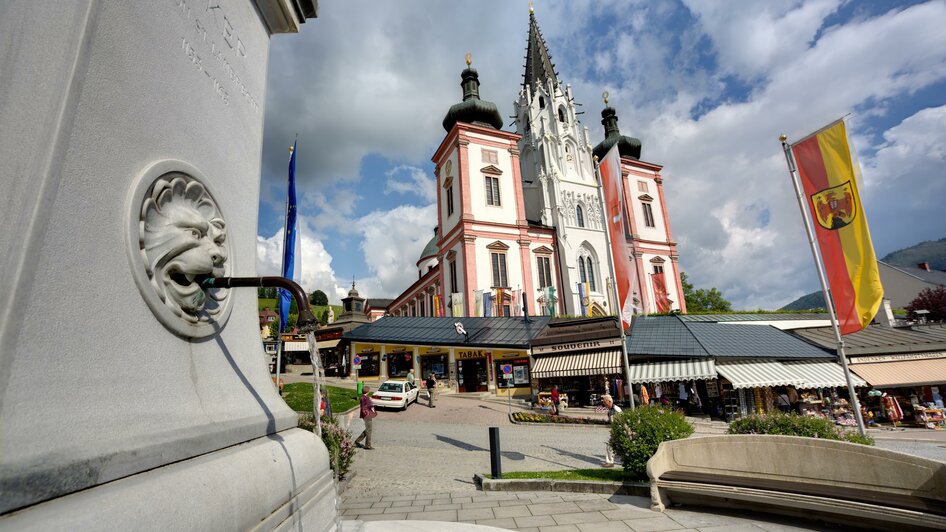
<point x="559" y="185"/>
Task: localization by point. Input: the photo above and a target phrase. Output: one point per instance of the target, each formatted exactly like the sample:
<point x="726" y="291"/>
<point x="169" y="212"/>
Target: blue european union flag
<point x="289" y="241"/>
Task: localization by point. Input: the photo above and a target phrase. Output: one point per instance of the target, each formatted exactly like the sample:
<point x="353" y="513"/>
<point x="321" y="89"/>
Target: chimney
<point x="923" y="266"/>
<point x="885" y="314"/>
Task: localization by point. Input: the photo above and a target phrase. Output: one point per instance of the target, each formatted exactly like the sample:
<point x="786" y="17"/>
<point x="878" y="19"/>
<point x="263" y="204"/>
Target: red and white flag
<point x="613" y="185"/>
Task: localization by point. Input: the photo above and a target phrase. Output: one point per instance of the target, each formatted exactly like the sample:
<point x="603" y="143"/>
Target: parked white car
<point x="395" y="394"/>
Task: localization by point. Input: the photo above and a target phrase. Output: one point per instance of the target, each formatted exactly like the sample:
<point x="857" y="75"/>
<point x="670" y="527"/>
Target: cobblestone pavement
<point x="424" y="459"/>
<point x="557" y="512"/>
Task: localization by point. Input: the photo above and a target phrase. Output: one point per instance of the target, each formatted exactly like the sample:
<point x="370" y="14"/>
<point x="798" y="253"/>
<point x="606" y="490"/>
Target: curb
<point x="641" y="489"/>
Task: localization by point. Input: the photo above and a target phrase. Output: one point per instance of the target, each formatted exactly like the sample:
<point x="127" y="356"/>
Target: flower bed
<point x="532" y="417"/>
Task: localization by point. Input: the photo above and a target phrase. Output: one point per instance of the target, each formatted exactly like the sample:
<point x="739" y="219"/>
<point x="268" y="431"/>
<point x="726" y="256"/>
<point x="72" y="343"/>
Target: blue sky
<point x="706" y="86"/>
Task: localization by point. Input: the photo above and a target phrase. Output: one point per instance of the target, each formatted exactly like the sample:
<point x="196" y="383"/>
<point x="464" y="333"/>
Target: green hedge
<point x="636" y="434"/>
<point x="794" y="425"/>
<point x="532" y="417"/>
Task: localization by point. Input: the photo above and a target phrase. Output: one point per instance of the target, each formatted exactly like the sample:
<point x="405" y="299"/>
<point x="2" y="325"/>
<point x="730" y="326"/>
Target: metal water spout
<point x="306" y="321"/>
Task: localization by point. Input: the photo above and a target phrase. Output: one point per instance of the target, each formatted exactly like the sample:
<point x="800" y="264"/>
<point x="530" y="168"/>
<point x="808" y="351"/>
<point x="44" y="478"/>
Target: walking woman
<point x="368" y="414"/>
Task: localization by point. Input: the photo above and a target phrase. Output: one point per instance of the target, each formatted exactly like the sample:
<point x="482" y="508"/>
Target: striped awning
<point x="577" y="364"/>
<point x="677" y="370"/>
<point x="821" y="374"/>
<point x="902" y="373"/>
<point x="296" y="346"/>
<point x="757" y="374"/>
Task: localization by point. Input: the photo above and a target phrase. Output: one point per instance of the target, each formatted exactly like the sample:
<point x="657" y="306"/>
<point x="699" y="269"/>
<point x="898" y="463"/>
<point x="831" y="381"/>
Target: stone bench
<point x="819" y="479"/>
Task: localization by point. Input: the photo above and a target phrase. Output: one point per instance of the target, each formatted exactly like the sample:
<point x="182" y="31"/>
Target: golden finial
<point x="531" y="9"/>
<point x="605" y="96"/>
<point x="783" y="137"/>
<point x="290" y="150"/>
<point x="469" y="58"/>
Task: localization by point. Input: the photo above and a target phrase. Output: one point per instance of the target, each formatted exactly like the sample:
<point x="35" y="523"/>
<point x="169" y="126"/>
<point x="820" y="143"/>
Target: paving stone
<point x="581" y="517"/>
<point x="625" y="512"/>
<point x="654" y="524"/>
<point x="383" y="517"/>
<point x="606" y="526"/>
<point x="735" y="527"/>
<point x="442" y="515"/>
<point x="536" y="521"/>
<point x="475" y="513"/>
<point x="461" y="500"/>
<point x="514" y="502"/>
<point x="529" y="529"/>
<point x="507" y="523"/>
<point x="394" y="498"/>
<point x="596" y="504"/>
<point x="398" y="504"/>
<point x="355" y="512"/>
<point x="553" y="508"/>
<point x="405" y="509"/>
<point x="438" y="507"/>
<point x="347" y="504"/>
<point x="559" y="528"/>
<point x="512" y="511"/>
<point x="362" y="499"/>
<point x="479" y="504"/>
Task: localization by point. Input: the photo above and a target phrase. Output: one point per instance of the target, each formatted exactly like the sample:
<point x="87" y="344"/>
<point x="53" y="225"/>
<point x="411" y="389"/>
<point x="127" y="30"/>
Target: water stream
<point x="318" y="382"/>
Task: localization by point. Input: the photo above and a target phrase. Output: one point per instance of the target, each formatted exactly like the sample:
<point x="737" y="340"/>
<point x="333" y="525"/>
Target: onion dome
<point x="627" y="146"/>
<point x="472" y="110"/>
<point x="430" y="250"/>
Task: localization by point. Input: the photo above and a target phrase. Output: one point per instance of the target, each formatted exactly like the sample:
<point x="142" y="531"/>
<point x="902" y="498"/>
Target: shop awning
<point x="930" y="371"/>
<point x="296" y="346"/>
<point x="821" y="375"/>
<point x="757" y="374"/>
<point x="677" y="370"/>
<point x="328" y="344"/>
<point x="577" y="364"/>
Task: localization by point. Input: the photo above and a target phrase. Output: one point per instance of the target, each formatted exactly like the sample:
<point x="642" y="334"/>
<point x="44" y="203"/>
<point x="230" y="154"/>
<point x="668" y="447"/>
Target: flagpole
<point x="282" y="268"/>
<point x="792" y="170"/>
<point x="616" y="302"/>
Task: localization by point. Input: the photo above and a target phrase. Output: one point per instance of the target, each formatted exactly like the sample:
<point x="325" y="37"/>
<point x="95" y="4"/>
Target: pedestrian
<point x="325" y="408"/>
<point x="410" y="377"/>
<point x="793" y="399"/>
<point x="645" y="397"/>
<point x="368" y="414"/>
<point x="784" y="404"/>
<point x="608" y="402"/>
<point x="556" y="399"/>
<point x="431" y="384"/>
<point x="683" y="398"/>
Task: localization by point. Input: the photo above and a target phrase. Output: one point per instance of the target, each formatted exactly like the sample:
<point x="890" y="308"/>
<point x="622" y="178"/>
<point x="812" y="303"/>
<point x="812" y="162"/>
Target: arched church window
<point x="561" y="114"/>
<point x="580" y="216"/>
<point x="541" y="102"/>
<point x="591" y="275"/>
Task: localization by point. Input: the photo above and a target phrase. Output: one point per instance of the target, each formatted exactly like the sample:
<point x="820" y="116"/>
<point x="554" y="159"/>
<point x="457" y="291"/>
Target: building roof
<point x="627" y="146"/>
<point x="880" y="339"/>
<point x="671" y="336"/>
<point x="566" y="330"/>
<point x="934" y="277"/>
<point x="472" y="110"/>
<point x="755" y="316"/>
<point x="378" y="304"/>
<point x="481" y="332"/>
<point x="539" y="66"/>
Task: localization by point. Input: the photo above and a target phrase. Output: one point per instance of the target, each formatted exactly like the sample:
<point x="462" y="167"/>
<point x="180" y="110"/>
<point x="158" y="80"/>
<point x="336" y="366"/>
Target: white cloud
<point x="316" y="263"/>
<point x="417" y="182"/>
<point x="392" y="244"/>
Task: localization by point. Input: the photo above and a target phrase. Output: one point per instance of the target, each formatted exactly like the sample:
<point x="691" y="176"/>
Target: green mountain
<point x="931" y="251"/>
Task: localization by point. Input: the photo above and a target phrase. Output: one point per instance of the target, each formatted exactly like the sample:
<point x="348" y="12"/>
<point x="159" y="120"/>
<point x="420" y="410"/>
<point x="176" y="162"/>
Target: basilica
<point x="520" y="228"/>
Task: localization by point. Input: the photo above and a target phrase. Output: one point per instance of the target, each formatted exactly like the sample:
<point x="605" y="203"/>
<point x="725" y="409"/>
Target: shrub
<point x="794" y="425"/>
<point x="340" y="444"/>
<point x="636" y="434"/>
<point x="532" y="417"/>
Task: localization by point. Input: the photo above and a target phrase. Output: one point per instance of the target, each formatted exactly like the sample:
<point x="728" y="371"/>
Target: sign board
<point x="507" y="376"/>
<point x="356" y="361"/>
<point x="507" y="369"/>
<point x="577" y="346"/>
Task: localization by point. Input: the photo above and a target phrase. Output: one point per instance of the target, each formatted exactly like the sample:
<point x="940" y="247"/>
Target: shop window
<point x="433" y="363"/>
<point x="520" y="373"/>
<point x="370" y="365"/>
<point x="399" y="364"/>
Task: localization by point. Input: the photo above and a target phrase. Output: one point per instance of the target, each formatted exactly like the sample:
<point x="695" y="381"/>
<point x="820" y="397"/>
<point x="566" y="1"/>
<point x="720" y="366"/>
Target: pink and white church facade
<point x="519" y="214"/>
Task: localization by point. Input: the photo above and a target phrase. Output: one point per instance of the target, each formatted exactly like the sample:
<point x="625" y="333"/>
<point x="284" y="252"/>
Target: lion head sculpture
<point x="183" y="238"/>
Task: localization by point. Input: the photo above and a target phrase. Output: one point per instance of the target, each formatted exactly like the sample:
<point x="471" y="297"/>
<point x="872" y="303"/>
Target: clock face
<point x="449" y="167"/>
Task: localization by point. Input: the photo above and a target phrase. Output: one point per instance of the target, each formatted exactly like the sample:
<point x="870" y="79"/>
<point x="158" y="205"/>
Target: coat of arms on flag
<point x="835" y="206"/>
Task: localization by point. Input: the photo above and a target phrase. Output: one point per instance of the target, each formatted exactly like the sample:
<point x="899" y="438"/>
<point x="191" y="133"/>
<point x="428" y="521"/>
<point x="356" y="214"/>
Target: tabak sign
<point x="464" y="354"/>
<point x="577" y="346"/>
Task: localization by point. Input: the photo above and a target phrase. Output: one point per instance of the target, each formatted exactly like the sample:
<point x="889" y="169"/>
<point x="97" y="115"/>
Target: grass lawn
<point x="299" y="397"/>
<point x="615" y="474"/>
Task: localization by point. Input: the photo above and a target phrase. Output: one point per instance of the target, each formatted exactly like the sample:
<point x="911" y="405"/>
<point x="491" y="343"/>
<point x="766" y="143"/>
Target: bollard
<point x="361" y="386"/>
<point x="494" y="465"/>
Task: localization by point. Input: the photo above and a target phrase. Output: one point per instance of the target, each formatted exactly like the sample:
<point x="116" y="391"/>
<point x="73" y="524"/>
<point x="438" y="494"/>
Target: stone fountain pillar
<point x="130" y="139"/>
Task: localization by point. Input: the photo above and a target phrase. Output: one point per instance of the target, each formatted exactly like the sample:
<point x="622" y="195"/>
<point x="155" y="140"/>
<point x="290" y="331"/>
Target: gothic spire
<point x="539" y="66"/>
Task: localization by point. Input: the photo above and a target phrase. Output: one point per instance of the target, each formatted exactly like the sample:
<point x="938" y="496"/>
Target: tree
<point x="318" y="298"/>
<point x="931" y="299"/>
<point x="703" y="300"/>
